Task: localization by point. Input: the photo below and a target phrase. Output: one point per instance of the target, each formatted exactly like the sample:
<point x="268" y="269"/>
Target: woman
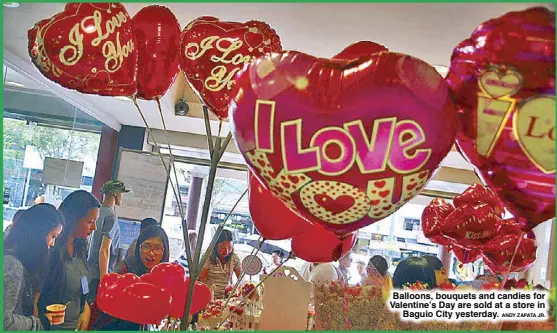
<point x="144" y="224"/>
<point x="26" y="258"/>
<point x="361" y="268"/>
<point x="222" y="262"/>
<point x="152" y="249"/>
<point x="413" y="271"/>
<point x="436" y="264"/>
<point x="69" y="276"/>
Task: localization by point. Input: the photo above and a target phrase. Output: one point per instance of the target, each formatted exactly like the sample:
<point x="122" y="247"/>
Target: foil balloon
<point x="466" y="256"/>
<point x="142" y="303"/>
<point x="360" y="49"/>
<point x="343" y="143"/>
<point x="89" y="47"/>
<point x="213" y="51"/>
<point x="157" y="35"/>
<point x="502" y="250"/>
<point x="273" y="220"/>
<point x="471" y="226"/>
<point x="433" y="218"/>
<point x="503" y="79"/>
<point x="477" y="193"/>
<point x="319" y="245"/>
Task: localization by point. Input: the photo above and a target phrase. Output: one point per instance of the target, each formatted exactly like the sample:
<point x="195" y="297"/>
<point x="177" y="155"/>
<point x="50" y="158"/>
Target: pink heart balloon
<point x="344" y="142"/>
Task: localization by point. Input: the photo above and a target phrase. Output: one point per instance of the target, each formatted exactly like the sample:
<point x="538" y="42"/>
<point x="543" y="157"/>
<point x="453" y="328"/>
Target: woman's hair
<point x="433" y="262"/>
<point x="75" y="207"/>
<point x="18" y="214"/>
<point x="380" y="264"/>
<point x="133" y="263"/>
<point x="225" y="236"/>
<point x="412" y="270"/>
<point x="147" y="223"/>
<point x="27" y="239"/>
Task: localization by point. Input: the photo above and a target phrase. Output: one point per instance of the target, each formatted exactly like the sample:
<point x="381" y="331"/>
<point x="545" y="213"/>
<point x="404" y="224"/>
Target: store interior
<point x="44" y="120"/>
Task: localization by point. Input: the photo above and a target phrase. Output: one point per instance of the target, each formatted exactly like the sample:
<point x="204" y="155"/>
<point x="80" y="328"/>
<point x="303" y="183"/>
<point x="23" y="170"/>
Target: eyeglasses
<point x="148" y="248"/>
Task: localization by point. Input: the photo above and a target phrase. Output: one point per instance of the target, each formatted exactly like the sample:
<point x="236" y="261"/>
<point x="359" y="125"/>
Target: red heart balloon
<point x="108" y="281"/>
<point x="345" y="142"/>
<point x="319" y="245"/>
<point x="172" y="277"/>
<point x="471" y="226"/>
<point x="466" y="256"/>
<point x="498" y="253"/>
<point x="360" y="49"/>
<point x="434" y="217"/>
<point x="142" y="303"/>
<point x="503" y="78"/>
<point x="202" y="295"/>
<point x="477" y="193"/>
<point x="283" y="223"/>
<point x="89" y="47"/>
<point x="108" y="300"/>
<point x="213" y="51"/>
<point x="157" y="33"/>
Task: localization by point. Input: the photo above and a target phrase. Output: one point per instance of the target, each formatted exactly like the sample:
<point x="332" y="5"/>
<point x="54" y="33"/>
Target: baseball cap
<point x="114" y="186"/>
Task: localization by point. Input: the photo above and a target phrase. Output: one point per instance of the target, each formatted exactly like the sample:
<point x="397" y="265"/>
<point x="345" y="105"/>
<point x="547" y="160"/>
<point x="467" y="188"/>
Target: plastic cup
<point x="58" y="312"/>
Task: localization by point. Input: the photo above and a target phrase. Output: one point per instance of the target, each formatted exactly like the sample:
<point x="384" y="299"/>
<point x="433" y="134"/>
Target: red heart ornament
<point x="213" y="51"/>
<point x="89" y="47"/>
<point x="142" y="303"/>
<point x="283" y="223"/>
<point x="373" y="129"/>
<point x="434" y="217"/>
<point x="471" y="226"/>
<point x="466" y="256"/>
<point x="202" y="295"/>
<point x="503" y="78"/>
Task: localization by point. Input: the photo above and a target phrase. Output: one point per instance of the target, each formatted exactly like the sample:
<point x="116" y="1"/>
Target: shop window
<point x="411" y="224"/>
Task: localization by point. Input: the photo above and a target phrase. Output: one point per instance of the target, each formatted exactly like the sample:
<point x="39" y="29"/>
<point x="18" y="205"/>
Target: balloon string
<point x="166" y="167"/>
<point x="179" y="199"/>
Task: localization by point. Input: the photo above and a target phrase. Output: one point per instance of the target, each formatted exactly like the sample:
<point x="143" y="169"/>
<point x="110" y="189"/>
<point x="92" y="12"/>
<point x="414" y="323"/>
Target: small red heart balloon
<point x="471" y="226"/>
<point x="345" y="142"/>
<point x="477" y="193"/>
<point x="503" y="78"/>
<point x="282" y="223"/>
<point x="466" y="256"/>
<point x="319" y="245"/>
<point x="202" y="295"/>
<point x="172" y="278"/>
<point x="157" y="34"/>
<point x="108" y="281"/>
<point x="434" y="217"/>
<point x="108" y="300"/>
<point x="142" y="303"/>
<point x="89" y="47"/>
<point x="498" y="253"/>
<point x="213" y="51"/>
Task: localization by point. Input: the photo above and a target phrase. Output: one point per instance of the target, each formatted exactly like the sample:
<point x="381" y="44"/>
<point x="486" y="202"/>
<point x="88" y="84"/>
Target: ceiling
<point x="428" y="31"/>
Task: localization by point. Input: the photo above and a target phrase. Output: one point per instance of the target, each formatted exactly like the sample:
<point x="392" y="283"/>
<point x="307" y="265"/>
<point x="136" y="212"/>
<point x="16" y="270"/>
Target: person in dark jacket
<point x="69" y="275"/>
<point x="152" y="249"/>
<point x="26" y="259"/>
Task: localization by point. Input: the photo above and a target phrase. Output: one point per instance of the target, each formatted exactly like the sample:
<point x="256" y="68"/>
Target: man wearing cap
<point x="105" y="241"/>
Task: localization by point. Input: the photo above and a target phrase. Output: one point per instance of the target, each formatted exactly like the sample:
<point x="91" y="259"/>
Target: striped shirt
<point x="182" y="260"/>
<point x="218" y="277"/>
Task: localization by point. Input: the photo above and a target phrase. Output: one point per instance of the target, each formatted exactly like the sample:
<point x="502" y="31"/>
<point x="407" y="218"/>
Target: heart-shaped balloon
<point x="202" y="295"/>
<point x="89" y="47"/>
<point x="345" y="142"/>
<point x="172" y="278"/>
<point x="283" y="223"/>
<point x="498" y="253"/>
<point x="213" y="51"/>
<point x="503" y="78"/>
<point x="434" y="217"/>
<point x="142" y="303"/>
<point x="360" y="49"/>
<point x="108" y="281"/>
<point x="477" y="193"/>
<point x="157" y="34"/>
<point x="108" y="300"/>
<point x="319" y="245"/>
<point x="471" y="226"/>
<point x="466" y="256"/>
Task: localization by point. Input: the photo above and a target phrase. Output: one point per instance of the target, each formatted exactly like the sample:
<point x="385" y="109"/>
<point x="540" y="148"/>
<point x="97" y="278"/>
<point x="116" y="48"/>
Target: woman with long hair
<point x="221" y="264"/>
<point x="152" y="248"/>
<point x="26" y="259"/>
<point x="69" y="276"/>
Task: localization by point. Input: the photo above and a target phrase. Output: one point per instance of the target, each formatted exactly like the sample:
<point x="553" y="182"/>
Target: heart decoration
<point x="434" y="217"/>
<point x="503" y="79"/>
<point x="89" y="47"/>
<point x="213" y="51"/>
<point x="344" y="143"/>
<point x="142" y="303"/>
<point x="498" y="253"/>
<point x="318" y="245"/>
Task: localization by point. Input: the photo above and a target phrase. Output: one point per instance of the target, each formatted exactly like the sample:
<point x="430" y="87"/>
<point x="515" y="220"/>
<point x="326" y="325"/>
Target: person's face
<point x="441" y="276"/>
<point x="87" y="224"/>
<point x="276" y="259"/>
<point x="118" y="197"/>
<point x="52" y="235"/>
<point x="361" y="269"/>
<point x="225" y="248"/>
<point x="151" y="252"/>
